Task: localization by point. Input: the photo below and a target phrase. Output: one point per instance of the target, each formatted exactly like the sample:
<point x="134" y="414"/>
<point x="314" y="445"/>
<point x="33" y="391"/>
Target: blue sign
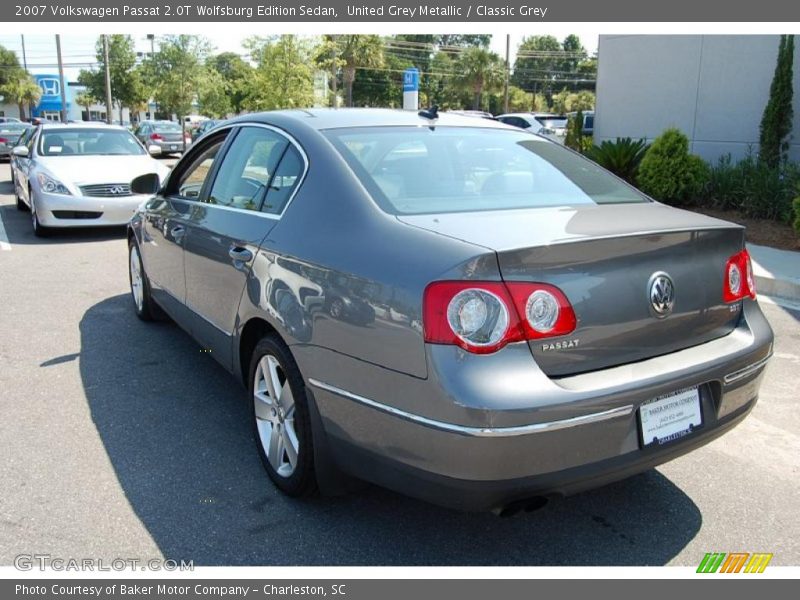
<point x="411" y="80"/>
<point x="51" y="94"/>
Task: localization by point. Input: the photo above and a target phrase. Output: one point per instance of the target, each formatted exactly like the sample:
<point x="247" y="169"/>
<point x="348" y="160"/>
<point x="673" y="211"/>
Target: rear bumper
<point x="165" y="147"/>
<point x="485" y="431"/>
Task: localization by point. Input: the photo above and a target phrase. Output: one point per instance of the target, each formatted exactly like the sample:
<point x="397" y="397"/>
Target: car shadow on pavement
<point x="175" y="427"/>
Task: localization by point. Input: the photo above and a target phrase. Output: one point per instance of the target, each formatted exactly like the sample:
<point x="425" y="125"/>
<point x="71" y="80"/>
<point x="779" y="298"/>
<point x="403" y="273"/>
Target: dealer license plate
<point x="670" y="417"/>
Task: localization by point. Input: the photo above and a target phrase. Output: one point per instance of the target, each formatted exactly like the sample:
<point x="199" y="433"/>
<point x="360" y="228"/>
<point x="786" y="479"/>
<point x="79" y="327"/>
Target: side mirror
<point x="146" y="184"/>
<point x="21" y="151"/>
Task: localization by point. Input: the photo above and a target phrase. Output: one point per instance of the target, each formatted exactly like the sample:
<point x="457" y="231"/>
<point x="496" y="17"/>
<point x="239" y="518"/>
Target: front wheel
<point x="281" y="419"/>
<point x="39" y="230"/>
<point x="143" y="304"/>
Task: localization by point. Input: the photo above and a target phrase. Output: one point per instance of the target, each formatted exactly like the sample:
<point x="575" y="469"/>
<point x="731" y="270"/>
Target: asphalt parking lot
<point x="123" y="439"/>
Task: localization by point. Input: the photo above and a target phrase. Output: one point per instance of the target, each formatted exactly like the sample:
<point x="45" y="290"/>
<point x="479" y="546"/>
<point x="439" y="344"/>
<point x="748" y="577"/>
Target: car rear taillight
<point x="3" y="140"/>
<point x="739" y="281"/>
<point x="482" y="317"/>
<point x="156" y="137"/>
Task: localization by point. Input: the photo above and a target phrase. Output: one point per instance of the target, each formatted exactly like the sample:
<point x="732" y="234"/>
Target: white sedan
<point x="78" y="175"/>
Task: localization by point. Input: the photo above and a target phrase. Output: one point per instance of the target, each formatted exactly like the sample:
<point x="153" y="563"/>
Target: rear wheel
<point x="281" y="420"/>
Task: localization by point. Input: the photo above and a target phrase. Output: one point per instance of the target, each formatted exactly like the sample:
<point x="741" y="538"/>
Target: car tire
<point x="146" y="309"/>
<point x="281" y="419"/>
<point x="39" y="230"/>
<point x="21" y="206"/>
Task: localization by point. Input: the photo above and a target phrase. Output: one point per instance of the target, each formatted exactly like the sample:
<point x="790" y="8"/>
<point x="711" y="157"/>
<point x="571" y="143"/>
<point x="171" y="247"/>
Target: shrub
<point x="621" y="157"/>
<point x="753" y="188"/>
<point x="776" y="123"/>
<point x="669" y="173"/>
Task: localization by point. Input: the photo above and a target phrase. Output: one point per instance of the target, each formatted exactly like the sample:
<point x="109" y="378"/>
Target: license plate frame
<point x="670" y="417"/>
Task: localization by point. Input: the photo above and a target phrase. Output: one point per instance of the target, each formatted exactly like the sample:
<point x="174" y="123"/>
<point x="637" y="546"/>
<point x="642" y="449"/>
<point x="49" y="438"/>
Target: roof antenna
<point x="431" y="114"/>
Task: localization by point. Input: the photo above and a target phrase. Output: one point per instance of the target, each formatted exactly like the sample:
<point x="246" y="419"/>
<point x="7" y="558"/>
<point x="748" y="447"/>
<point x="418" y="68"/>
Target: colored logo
<point x="734" y="562"/>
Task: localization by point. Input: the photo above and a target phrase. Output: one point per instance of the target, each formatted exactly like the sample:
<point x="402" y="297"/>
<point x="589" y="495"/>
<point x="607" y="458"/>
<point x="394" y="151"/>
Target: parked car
<point x="79" y="175"/>
<point x="521" y="120"/>
<point x="205" y="127"/>
<point x="163" y="137"/>
<point x="9" y="120"/>
<point x="536" y="326"/>
<point x="10" y="133"/>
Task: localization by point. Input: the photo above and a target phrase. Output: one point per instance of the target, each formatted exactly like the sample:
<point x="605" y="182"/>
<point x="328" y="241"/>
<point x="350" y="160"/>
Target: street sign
<point x="411" y="89"/>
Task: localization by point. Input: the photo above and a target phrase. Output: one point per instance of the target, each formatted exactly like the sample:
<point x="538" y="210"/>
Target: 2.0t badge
<point x="662" y="294"/>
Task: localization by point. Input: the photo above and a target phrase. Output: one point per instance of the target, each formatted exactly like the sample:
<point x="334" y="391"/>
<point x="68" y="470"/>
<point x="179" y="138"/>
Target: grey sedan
<point x="449" y="307"/>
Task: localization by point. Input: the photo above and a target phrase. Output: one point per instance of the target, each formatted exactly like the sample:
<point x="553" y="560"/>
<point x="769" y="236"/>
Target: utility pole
<point x="508" y="70"/>
<point x="152" y="37"/>
<point x="108" y="79"/>
<point x="61" y="80"/>
<point x="335" y="102"/>
<point x="24" y="56"/>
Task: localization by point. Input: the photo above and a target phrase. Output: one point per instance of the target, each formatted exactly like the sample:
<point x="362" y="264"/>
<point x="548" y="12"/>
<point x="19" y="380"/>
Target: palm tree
<point x="85" y="99"/>
<point x="21" y="90"/>
<point x="352" y="52"/>
<point x="481" y="70"/>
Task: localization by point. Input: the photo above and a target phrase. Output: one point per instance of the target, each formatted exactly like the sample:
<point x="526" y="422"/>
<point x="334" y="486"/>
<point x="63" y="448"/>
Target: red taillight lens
<point x="738" y="280"/>
<point x="543" y="309"/>
<point x="156" y="136"/>
<point x="3" y="140"/>
<point x="482" y="317"/>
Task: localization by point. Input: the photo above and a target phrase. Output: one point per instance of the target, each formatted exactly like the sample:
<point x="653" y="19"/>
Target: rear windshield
<point x="85" y="142"/>
<point x="166" y="127"/>
<point x="418" y="170"/>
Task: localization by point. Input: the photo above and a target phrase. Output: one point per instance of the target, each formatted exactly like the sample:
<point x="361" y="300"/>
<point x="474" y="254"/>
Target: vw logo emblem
<point x="117" y="190"/>
<point x="661" y="291"/>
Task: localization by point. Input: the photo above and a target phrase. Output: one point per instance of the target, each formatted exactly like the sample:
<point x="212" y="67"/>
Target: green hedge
<point x="669" y="173"/>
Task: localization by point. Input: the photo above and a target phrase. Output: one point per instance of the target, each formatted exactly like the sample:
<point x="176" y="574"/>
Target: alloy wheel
<point x="274" y="407"/>
<point x="137" y="282"/>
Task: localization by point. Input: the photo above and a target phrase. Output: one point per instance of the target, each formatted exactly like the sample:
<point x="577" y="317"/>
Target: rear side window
<point x="416" y="170"/>
<point x="248" y="168"/>
<point x="287" y="177"/>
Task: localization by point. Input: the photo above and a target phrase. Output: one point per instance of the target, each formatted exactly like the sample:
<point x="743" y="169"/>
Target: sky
<point x="78" y="50"/>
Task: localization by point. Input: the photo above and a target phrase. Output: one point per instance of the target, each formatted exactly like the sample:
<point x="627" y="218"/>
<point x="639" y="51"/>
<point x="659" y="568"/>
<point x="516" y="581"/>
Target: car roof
<point x="335" y="118"/>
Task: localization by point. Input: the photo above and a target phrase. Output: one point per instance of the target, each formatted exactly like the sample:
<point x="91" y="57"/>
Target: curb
<point x="778" y="288"/>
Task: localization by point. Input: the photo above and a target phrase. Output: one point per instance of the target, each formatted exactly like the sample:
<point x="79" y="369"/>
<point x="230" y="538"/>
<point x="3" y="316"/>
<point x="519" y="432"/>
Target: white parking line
<point x="4" y="244"/>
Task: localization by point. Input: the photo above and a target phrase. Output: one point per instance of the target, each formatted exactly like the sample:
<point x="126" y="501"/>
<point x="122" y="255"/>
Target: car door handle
<point x="240" y="254"/>
<point x="177" y="231"/>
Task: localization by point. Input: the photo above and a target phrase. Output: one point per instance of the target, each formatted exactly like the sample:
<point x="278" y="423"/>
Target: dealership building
<point x="712" y="87"/>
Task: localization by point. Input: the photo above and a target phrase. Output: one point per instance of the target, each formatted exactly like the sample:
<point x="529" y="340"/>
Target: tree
<point x="283" y="77"/>
<point x="127" y="88"/>
<point x="85" y="99"/>
<point x="21" y="89"/>
<point x="537" y="58"/>
<point x="352" y="52"/>
<point x="478" y="41"/>
<point x="176" y="70"/>
<point x="9" y="65"/>
<point x="236" y="73"/>
<point x="776" y="123"/>
<point x="480" y="71"/>
<point x="213" y="94"/>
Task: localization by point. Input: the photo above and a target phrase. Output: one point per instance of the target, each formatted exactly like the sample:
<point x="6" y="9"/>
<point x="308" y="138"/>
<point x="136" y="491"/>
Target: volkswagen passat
<point x="518" y="322"/>
<point x="78" y="175"/>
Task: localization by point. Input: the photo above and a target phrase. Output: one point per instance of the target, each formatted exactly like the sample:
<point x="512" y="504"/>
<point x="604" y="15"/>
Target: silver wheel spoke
<point x="275" y="450"/>
<point x="273" y="380"/>
<point x="263" y="407"/>
<point x="287" y="400"/>
<point x="290" y="443"/>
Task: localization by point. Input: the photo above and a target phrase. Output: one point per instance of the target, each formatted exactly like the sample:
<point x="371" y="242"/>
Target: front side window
<point x="88" y="142"/>
<point x="190" y="182"/>
<point x="418" y="170"/>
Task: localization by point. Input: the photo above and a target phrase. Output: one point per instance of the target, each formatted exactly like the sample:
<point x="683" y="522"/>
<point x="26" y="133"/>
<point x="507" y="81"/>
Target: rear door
<point x="234" y="216"/>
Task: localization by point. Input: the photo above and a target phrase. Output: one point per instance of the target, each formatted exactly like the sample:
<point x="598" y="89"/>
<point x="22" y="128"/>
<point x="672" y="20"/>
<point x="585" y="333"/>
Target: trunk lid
<point x="604" y="259"/>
